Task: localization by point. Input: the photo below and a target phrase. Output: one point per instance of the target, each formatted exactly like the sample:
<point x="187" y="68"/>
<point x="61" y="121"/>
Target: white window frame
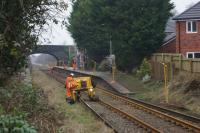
<point x="192" y="54"/>
<point x="191" y="21"/>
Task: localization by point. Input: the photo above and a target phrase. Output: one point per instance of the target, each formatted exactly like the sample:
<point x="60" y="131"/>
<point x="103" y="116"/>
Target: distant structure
<point x="60" y="52"/>
<point x="183" y="34"/>
<point x="169" y="44"/>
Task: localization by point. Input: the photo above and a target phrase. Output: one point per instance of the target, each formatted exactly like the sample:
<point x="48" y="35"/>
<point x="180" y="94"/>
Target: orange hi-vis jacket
<point x="74" y="65"/>
<point x="70" y="84"/>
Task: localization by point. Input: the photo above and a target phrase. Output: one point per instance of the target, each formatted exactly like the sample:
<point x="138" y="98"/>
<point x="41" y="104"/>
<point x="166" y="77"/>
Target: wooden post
<point x="180" y="61"/>
<point x="171" y="67"/>
<point x="191" y="66"/>
<point x="163" y="57"/>
<point x="166" y="90"/>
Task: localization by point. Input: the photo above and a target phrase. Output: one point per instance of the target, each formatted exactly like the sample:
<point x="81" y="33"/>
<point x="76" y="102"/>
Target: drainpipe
<point x="179" y="38"/>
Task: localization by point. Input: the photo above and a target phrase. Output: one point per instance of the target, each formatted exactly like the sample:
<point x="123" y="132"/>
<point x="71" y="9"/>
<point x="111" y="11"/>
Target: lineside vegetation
<point x="21" y="24"/>
<point x="136" y="28"/>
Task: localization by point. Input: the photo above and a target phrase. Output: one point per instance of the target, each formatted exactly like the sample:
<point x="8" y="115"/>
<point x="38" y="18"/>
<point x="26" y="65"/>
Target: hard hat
<point x="72" y="74"/>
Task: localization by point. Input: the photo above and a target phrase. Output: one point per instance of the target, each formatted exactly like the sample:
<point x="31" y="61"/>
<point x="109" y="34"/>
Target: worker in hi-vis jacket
<point x="70" y="84"/>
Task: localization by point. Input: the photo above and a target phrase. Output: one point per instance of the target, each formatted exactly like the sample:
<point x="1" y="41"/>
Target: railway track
<point x="139" y="118"/>
<point x="118" y="120"/>
<point x="156" y="118"/>
<point x="108" y="87"/>
<point x="132" y="118"/>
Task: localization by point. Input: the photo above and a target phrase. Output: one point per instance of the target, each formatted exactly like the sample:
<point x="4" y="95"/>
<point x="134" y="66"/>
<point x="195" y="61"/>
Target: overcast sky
<point x="58" y="35"/>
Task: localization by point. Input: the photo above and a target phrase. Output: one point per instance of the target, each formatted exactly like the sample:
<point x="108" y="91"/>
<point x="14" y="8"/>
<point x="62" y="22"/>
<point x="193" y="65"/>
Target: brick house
<point x="169" y="44"/>
<point x="186" y="38"/>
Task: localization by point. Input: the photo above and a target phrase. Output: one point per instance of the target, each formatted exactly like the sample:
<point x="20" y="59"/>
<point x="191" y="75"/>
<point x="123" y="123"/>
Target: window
<point x="191" y="27"/>
<point x="196" y="55"/>
<point x="192" y="55"/>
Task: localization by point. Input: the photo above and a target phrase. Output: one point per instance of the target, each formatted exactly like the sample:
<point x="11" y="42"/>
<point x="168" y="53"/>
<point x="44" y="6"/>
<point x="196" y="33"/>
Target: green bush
<point x="22" y="97"/>
<point x="5" y="94"/>
<point x="31" y="104"/>
<point x="30" y="97"/>
<point x="15" y="124"/>
<point x="144" y="69"/>
<point x="1" y="109"/>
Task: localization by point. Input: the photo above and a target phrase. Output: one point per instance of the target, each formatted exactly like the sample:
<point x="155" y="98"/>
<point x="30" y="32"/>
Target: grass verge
<point x="77" y="119"/>
<point x="183" y="92"/>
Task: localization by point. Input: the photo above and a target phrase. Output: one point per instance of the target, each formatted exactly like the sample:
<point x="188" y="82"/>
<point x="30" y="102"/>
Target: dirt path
<point x="76" y="118"/>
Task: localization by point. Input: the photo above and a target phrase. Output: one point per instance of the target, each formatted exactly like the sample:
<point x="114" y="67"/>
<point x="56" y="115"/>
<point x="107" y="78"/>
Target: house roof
<point x="191" y="13"/>
<point x="170" y="26"/>
<point x="170" y="31"/>
<point x="169" y="38"/>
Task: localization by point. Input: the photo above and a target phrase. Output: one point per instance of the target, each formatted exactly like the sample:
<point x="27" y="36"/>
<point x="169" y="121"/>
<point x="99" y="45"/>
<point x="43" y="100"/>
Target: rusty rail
<point x="97" y="115"/>
<point x="149" y="110"/>
<point x="135" y="120"/>
<point x="159" y="114"/>
<point x="194" y="119"/>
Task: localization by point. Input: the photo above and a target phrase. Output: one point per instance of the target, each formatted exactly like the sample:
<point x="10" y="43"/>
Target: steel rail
<point x="134" y="119"/>
<point x="163" y="109"/>
<point x="162" y="115"/>
<point x="98" y="116"/>
<point x="84" y="103"/>
<point x="123" y="114"/>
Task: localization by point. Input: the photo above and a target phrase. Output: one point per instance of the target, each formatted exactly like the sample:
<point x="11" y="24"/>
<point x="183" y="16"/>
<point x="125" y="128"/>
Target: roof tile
<point x="191" y="13"/>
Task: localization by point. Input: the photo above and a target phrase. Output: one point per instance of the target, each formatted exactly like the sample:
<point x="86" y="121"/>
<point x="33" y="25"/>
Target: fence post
<point x="163" y="58"/>
<point x="166" y="90"/>
<point x="191" y="66"/>
<point x="180" y="61"/>
<point x="171" y="67"/>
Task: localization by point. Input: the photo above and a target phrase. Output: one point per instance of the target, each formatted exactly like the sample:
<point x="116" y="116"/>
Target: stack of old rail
<point x="146" y="118"/>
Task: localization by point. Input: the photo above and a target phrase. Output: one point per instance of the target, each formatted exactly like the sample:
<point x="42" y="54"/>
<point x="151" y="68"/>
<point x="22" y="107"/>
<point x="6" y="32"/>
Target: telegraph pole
<point x="110" y="45"/>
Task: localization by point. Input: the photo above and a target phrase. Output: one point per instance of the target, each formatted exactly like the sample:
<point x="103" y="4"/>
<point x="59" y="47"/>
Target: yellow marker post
<point x="113" y="73"/>
<point x="166" y="90"/>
